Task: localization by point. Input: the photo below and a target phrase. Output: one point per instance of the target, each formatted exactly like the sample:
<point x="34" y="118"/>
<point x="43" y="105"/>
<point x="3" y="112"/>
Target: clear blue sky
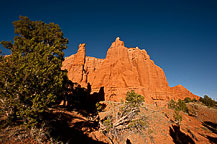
<point x="179" y="35"/>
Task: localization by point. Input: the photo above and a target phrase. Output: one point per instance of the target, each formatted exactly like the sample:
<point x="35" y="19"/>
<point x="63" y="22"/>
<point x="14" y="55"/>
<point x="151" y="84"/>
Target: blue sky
<point x="179" y="35"/>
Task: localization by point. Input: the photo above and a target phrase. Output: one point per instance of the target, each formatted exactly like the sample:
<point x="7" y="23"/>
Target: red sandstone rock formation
<point x="122" y="70"/>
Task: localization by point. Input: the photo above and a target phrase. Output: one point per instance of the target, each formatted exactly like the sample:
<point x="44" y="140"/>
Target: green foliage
<point x="208" y="101"/>
<point x="194" y="100"/>
<point x="187" y="100"/>
<point x="181" y="106"/>
<point x="100" y="107"/>
<point x="134" y="99"/>
<point x="171" y="104"/>
<point x="137" y="123"/>
<point x="177" y="117"/>
<point x="107" y="122"/>
<point x="178" y="106"/>
<point x="31" y="77"/>
<point x="126" y="117"/>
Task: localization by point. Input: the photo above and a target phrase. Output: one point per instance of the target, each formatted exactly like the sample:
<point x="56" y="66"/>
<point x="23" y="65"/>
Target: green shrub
<point x="100" y="107"/>
<point x="172" y="104"/>
<point x="107" y="122"/>
<point x="137" y="123"/>
<point x="134" y="99"/>
<point x="177" y="117"/>
<point x="194" y="100"/>
<point x="178" y="106"/>
<point x="181" y="106"/>
<point x="208" y="101"/>
<point x="126" y="117"/>
<point x="187" y="100"/>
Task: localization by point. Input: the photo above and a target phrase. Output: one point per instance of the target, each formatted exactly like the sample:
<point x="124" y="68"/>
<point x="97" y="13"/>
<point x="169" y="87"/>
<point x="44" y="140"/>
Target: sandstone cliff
<point x="122" y="70"/>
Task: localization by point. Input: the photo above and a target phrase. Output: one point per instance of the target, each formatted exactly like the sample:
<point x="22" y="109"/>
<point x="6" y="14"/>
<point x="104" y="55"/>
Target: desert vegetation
<point x="187" y="100"/>
<point x="39" y="104"/>
<point x="123" y="118"/>
<point x="33" y="84"/>
<point x="178" y="106"/>
<point x="31" y="78"/>
<point x="206" y="100"/>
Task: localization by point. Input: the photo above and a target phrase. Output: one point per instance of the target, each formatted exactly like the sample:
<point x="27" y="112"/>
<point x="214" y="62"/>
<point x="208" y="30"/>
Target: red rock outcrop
<point x="122" y="70"/>
<point x="75" y="65"/>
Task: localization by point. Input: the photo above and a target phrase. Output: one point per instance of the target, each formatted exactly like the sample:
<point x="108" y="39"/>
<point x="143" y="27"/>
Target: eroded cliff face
<point x="122" y="70"/>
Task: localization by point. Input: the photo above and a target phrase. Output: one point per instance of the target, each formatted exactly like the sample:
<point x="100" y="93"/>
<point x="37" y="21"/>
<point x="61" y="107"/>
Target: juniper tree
<point x="31" y="77"/>
<point x="124" y="118"/>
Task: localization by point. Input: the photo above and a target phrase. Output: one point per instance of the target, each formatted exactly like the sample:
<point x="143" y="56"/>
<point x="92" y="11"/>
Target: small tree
<point x="125" y="118"/>
<point x="31" y="77"/>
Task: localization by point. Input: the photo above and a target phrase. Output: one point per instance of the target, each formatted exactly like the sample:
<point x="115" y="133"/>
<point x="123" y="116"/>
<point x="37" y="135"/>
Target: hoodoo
<point x="122" y="70"/>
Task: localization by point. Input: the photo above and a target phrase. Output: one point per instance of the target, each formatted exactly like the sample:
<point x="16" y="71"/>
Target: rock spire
<point x="122" y="70"/>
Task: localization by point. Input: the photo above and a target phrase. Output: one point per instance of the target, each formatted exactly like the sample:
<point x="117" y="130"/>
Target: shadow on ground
<point x="81" y="99"/>
<point x="211" y="126"/>
<point x="61" y="128"/>
<point x="212" y="140"/>
<point x="61" y="125"/>
<point x="180" y="137"/>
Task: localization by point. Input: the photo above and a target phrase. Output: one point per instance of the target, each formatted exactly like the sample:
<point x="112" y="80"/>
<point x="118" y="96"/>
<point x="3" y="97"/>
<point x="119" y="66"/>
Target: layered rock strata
<point x="122" y="70"/>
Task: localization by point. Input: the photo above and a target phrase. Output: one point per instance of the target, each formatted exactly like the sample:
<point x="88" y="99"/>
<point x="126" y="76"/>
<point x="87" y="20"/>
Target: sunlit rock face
<point x="124" y="69"/>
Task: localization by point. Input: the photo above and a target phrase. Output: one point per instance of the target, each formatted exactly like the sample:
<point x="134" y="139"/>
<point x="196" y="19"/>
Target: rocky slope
<point x="162" y="129"/>
<point x="74" y="128"/>
<point x="122" y="70"/>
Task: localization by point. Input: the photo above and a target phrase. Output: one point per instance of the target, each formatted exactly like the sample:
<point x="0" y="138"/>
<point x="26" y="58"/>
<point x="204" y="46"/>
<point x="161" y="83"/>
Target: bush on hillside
<point x="208" y="101"/>
<point x="194" y="100"/>
<point x="181" y="106"/>
<point x="134" y="99"/>
<point x="177" y="117"/>
<point x="178" y="106"/>
<point x="126" y="117"/>
<point x="187" y="100"/>
<point x="171" y="104"/>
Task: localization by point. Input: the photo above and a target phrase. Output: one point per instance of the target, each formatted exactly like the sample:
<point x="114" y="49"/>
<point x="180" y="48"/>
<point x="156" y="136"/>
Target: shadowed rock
<point x="180" y="137"/>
